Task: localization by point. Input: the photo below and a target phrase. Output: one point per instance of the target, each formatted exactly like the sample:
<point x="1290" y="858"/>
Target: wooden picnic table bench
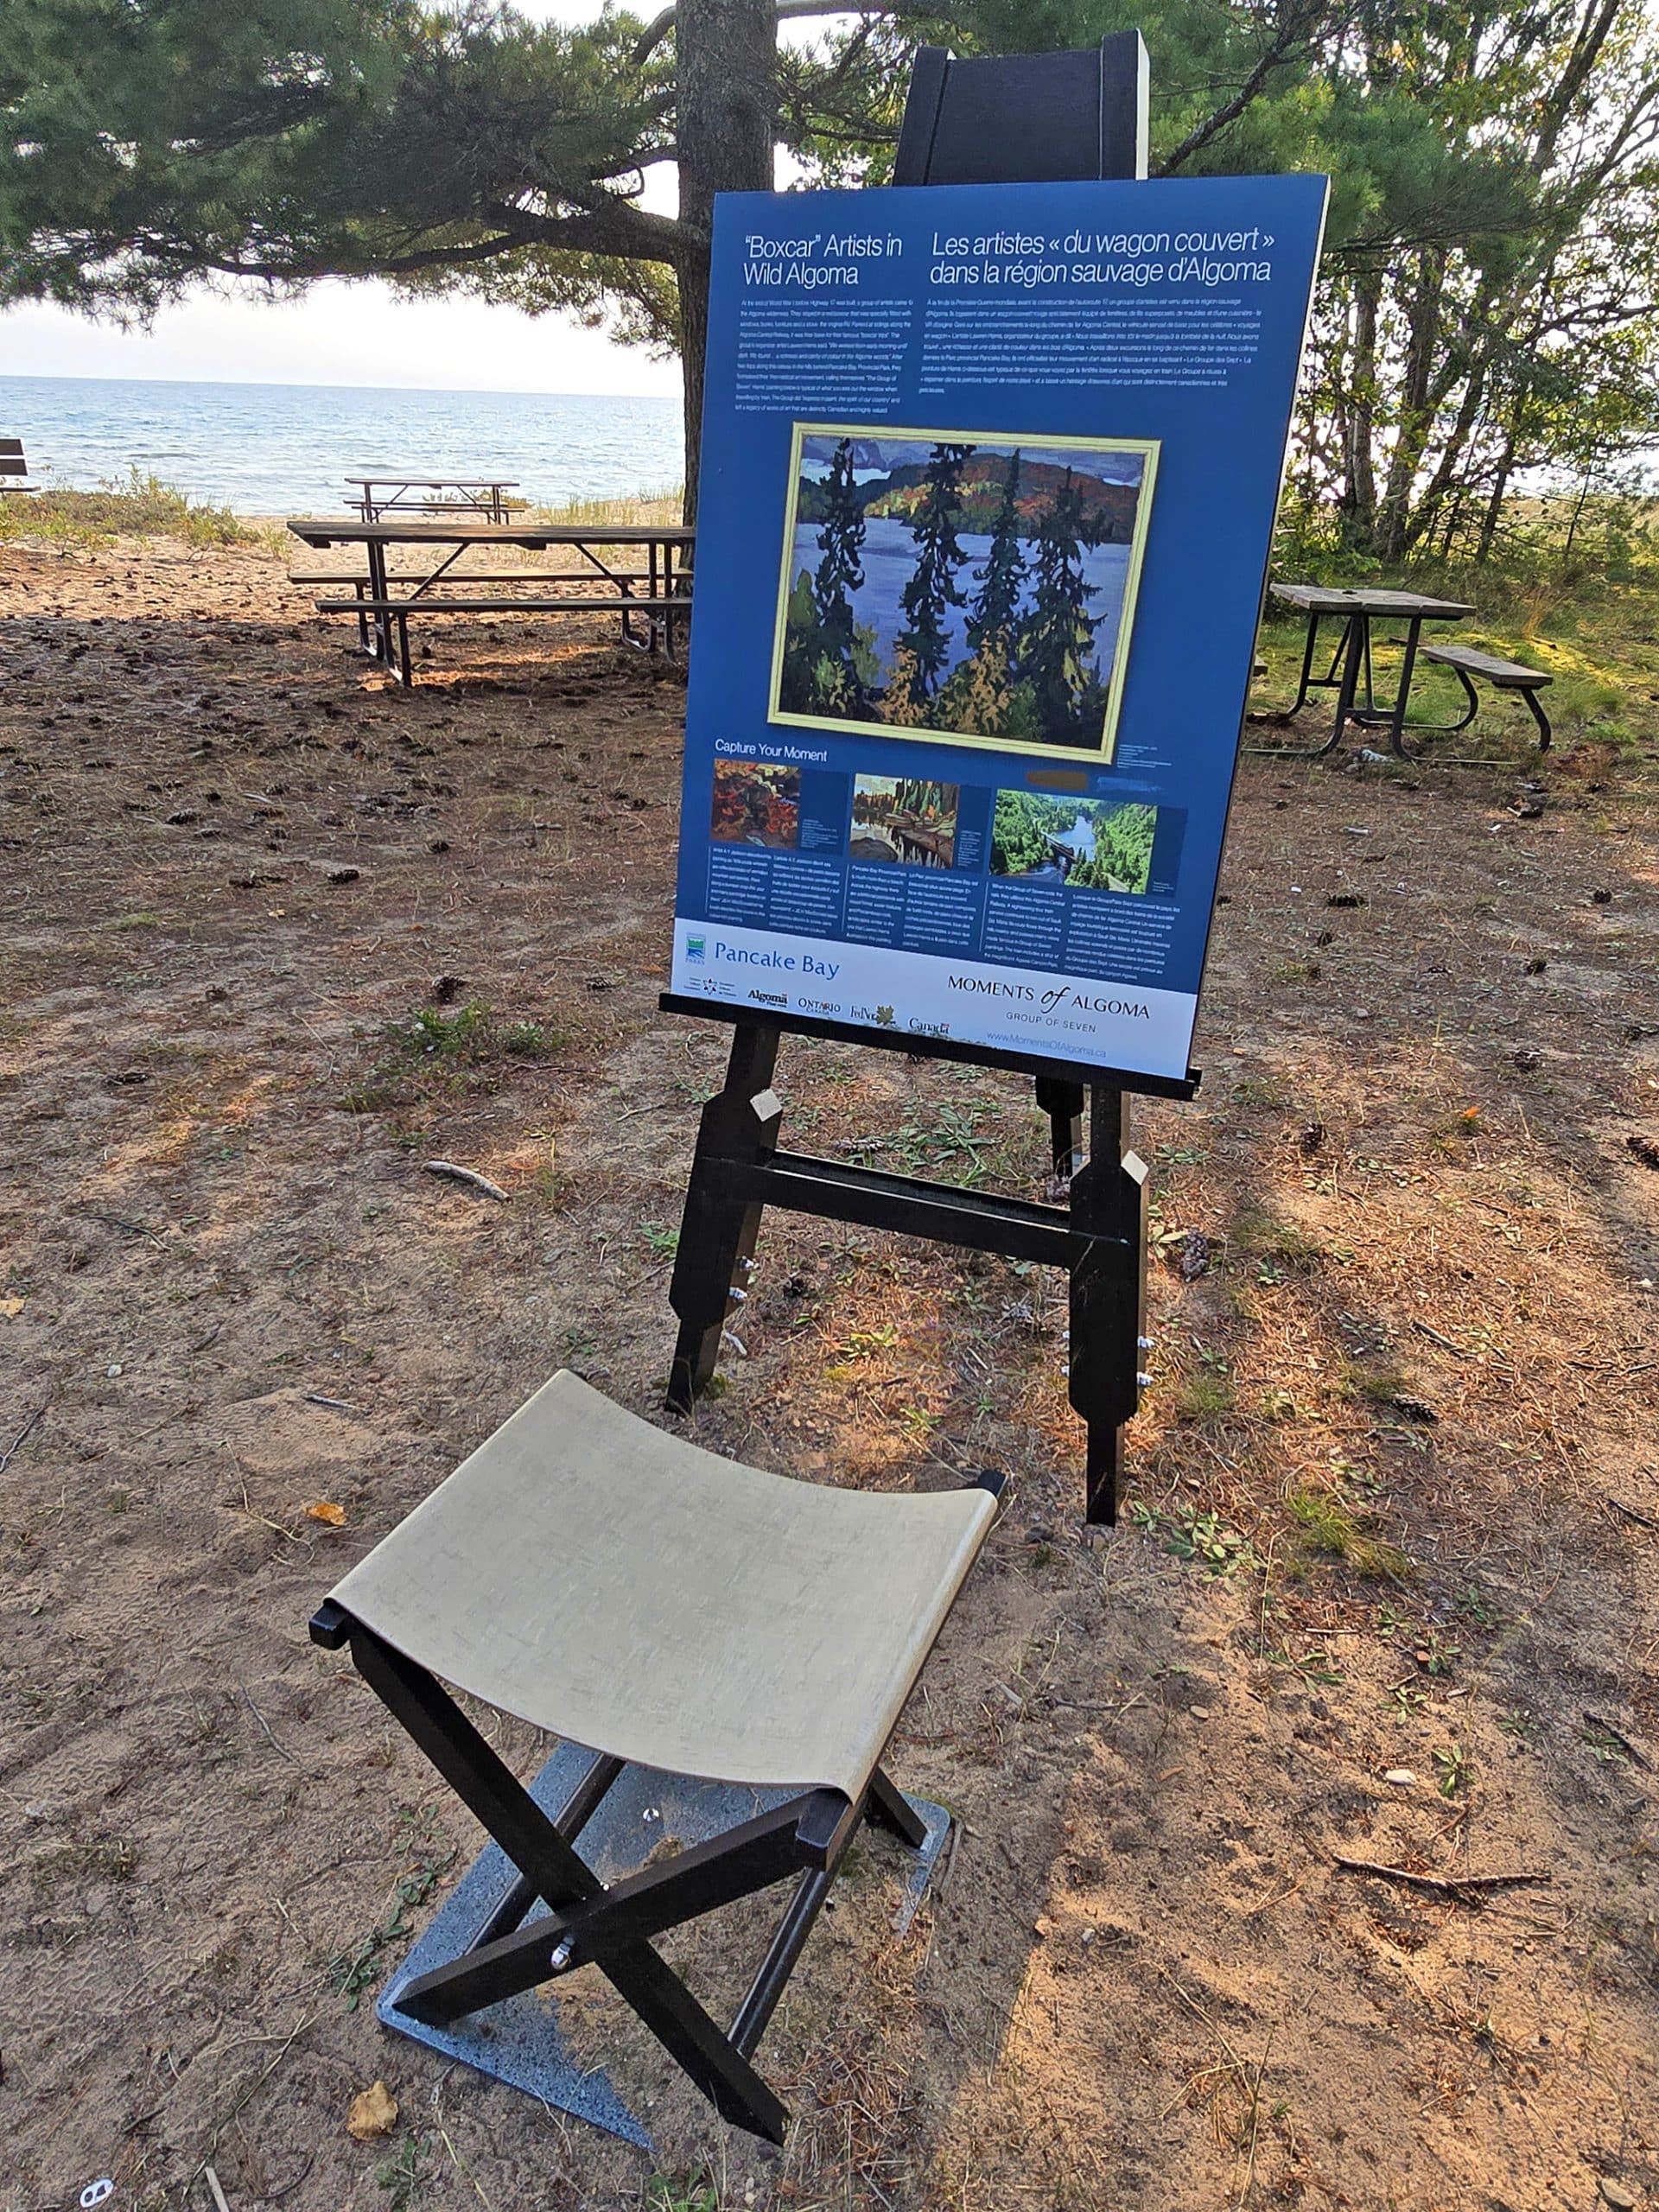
<point x="13" y="467"/>
<point x="1465" y="663"/>
<point x="483" y="496"/>
<point x="384" y="599"/>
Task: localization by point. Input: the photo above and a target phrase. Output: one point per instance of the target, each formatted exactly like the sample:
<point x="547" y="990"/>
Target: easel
<point x="1026" y="118"/>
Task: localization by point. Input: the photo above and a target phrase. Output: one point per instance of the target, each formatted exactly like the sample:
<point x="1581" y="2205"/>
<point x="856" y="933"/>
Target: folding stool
<point x="666" y="1609"/>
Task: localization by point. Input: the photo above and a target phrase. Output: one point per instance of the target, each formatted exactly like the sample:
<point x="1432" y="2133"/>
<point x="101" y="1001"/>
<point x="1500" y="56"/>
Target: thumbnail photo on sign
<point x="896" y="818"/>
<point x="1088" y="844"/>
<point x="756" y="806"/>
<point x="941" y="585"/>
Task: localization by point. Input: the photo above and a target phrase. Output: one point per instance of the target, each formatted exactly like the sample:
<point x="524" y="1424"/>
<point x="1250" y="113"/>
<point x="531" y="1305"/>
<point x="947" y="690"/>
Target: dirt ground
<point x="1385" y="1588"/>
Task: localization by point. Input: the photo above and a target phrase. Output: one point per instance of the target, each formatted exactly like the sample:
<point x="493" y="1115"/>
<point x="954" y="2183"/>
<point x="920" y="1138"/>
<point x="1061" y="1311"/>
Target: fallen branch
<point x="20" y="1439"/>
<point x="1632" y="1513"/>
<point x="1435" y="1338"/>
<point x="1446" y="1885"/>
<point x="458" y="1174"/>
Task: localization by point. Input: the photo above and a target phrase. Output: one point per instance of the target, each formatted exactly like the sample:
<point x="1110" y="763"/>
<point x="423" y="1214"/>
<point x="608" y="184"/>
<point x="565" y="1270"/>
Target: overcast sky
<point x="361" y="333"/>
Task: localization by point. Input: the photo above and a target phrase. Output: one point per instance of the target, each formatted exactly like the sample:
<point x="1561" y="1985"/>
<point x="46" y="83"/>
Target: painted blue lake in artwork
<point x="889" y="555"/>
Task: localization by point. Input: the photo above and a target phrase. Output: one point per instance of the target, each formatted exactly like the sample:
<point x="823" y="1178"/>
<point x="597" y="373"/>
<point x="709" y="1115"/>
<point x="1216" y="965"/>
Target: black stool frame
<point x="587" y="1923"/>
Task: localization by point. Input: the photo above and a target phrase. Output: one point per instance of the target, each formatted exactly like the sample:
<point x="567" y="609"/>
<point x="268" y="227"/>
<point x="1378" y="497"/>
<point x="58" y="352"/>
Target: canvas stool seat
<point x="669" y="1609"/>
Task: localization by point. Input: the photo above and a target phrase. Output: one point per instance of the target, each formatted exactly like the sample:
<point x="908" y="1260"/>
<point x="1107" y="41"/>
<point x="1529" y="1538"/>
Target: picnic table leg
<point x="1535" y="708"/>
<point x="1397" y="721"/>
<point x="1355" y="646"/>
<point x="1300" y="700"/>
<point x="381" y="649"/>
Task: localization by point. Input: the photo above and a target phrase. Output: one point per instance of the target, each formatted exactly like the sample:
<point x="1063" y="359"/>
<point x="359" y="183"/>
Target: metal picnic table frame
<point x="1350" y="673"/>
<point x="382" y="612"/>
<point x="484" y="496"/>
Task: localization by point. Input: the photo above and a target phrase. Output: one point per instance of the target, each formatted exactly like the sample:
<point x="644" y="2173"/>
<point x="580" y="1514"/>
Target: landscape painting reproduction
<point x="950" y="586"/>
<point x="895" y="819"/>
<point x="1088" y="844"/>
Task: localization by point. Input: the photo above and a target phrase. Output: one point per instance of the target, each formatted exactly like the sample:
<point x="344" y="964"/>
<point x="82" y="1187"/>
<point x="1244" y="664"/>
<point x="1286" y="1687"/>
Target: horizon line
<point x="268" y="384"/>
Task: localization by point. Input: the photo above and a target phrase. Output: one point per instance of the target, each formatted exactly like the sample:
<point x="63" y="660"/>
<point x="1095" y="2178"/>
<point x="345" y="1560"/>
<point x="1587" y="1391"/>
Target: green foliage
<point x="138" y="504"/>
<point x="841" y="537"/>
<point x="1056" y="642"/>
<point x="1027" y="830"/>
<point x="1003" y="578"/>
<point x="357" y="1968"/>
<point x="450" y="1050"/>
<point x="930" y="588"/>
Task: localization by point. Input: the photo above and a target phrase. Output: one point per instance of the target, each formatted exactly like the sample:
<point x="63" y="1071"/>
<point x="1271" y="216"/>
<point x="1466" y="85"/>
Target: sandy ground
<point x="1394" y="1513"/>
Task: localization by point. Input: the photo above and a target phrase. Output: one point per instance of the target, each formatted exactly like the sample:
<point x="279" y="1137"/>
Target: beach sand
<point x="1395" y="1507"/>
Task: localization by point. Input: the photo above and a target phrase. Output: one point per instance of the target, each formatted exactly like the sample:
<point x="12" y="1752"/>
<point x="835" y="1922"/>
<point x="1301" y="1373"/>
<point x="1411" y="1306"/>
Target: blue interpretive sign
<point x="989" y="475"/>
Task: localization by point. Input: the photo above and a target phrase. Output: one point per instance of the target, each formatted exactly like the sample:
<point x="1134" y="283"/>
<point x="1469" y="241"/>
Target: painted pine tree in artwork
<point x="840" y="572"/>
<point x="922" y="646"/>
<point x="1057" y="646"/>
<point x="1003" y="575"/>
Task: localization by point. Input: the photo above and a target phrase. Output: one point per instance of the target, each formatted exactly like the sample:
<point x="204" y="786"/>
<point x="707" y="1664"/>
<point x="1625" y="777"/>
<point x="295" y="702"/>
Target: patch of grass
<point x="1455" y="1768"/>
<point x="135" y="506"/>
<point x="454" y="1048"/>
<point x="111" y="1858"/>
<point x="461" y="1036"/>
<point x="1328" y="1527"/>
<point x="1378" y="1386"/>
<point x="648" y="506"/>
<point x="953" y="1143"/>
<point x="1202" y="1538"/>
<point x="1277" y="1246"/>
<point x="688" y="2192"/>
<point x="1207" y="1396"/>
<point x="357" y="1968"/>
<point x="1259" y="1091"/>
<point x="403" y="2176"/>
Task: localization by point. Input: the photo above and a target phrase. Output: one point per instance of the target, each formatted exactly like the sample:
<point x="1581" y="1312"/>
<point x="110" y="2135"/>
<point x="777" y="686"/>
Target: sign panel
<point x="989" y="475"/>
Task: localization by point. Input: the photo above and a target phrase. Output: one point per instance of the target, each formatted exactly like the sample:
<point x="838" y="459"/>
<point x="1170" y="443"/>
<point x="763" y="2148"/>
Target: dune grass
<point x="137" y="505"/>
<point x="647" y="506"/>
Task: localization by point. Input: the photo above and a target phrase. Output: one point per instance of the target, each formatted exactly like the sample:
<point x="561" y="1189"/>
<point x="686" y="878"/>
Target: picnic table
<point x="385" y="599"/>
<point x="486" y="497"/>
<point x="1349" y="674"/>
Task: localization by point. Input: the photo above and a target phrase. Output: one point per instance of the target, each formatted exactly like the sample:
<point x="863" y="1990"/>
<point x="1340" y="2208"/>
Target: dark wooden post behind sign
<point x="1018" y="120"/>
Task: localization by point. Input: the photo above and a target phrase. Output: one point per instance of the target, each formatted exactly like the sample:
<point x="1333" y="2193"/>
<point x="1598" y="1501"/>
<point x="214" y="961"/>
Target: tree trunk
<point x="1358" y="501"/>
<point x="726" y="85"/>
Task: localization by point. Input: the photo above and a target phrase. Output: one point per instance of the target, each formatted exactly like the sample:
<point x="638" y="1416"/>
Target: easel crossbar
<point x="874" y="1199"/>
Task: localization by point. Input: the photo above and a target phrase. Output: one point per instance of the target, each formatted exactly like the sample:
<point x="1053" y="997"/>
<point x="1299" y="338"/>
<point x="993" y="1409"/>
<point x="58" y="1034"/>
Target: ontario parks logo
<point x="696" y="948"/>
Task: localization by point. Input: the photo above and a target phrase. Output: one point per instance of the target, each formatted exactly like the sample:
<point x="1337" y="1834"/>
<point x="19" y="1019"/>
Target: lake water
<point x="287" y="448"/>
<point x="889" y="558"/>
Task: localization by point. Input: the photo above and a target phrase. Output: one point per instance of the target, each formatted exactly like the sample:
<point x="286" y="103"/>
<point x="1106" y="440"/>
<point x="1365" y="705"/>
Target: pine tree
<point x="931" y="590"/>
<point x="841" y="538"/>
<point x="1004" y="572"/>
<point x="1056" y="644"/>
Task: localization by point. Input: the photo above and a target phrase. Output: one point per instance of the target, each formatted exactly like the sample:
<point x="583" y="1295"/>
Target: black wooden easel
<point x="1024" y="118"/>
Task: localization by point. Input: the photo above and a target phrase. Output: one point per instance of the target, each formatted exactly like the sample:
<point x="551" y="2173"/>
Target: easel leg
<point x="718" y="1234"/>
<point x="1063" y="1103"/>
<point x="1108" y="1274"/>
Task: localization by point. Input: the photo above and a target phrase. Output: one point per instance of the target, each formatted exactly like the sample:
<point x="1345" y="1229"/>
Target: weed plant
<point x="138" y="504"/>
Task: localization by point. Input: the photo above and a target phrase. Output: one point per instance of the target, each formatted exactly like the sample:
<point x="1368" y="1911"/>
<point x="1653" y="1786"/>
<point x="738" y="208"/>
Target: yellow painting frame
<point x="1148" y="449"/>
